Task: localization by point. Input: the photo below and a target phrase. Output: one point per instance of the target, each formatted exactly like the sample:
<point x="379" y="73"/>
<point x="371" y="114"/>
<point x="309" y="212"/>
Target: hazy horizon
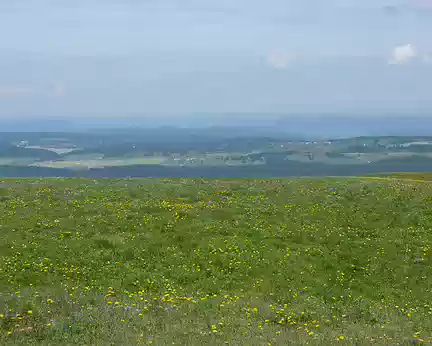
<point x="314" y="126"/>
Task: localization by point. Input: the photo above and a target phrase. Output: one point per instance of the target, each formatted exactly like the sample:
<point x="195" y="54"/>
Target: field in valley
<point x="209" y="262"/>
<point x="207" y="153"/>
<point x="100" y="163"/>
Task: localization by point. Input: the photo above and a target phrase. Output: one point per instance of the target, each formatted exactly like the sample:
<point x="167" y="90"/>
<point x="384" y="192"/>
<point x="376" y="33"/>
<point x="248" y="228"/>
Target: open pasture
<point x="206" y="262"/>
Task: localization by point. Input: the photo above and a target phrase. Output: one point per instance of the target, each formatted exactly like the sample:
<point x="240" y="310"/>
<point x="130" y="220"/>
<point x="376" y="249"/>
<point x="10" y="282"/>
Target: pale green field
<point x="13" y="161"/>
<point x="84" y="164"/>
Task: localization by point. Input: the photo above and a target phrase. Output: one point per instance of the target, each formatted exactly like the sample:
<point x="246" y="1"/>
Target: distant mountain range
<point x="299" y="126"/>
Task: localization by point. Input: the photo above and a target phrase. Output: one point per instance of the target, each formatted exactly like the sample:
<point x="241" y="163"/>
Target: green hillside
<point x="206" y="262"/>
<point x="425" y="176"/>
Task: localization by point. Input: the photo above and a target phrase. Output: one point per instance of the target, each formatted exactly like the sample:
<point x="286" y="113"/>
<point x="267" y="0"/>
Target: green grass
<point x="194" y="262"/>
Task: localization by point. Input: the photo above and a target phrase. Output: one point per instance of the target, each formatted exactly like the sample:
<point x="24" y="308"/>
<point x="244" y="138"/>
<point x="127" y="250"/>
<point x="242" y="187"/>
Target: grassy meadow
<point x="206" y="262"/>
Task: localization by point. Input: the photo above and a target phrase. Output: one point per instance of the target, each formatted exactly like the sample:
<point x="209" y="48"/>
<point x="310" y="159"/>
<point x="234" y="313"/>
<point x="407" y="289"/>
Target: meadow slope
<point x="206" y="262"/>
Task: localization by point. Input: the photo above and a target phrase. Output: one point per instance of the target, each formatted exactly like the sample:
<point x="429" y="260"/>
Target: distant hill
<point x="316" y="126"/>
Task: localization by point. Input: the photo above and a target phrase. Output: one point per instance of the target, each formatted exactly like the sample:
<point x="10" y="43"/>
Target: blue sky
<point x="114" y="57"/>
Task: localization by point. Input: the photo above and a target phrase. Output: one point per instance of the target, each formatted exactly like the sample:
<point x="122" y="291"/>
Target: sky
<point x="81" y="58"/>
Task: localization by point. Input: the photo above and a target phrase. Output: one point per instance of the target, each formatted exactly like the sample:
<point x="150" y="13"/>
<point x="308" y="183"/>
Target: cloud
<point x="420" y="7"/>
<point x="280" y="60"/>
<point x="10" y="91"/>
<point x="427" y="59"/>
<point x="59" y="90"/>
<point x="392" y="10"/>
<point x="403" y="54"/>
<point x="423" y="4"/>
